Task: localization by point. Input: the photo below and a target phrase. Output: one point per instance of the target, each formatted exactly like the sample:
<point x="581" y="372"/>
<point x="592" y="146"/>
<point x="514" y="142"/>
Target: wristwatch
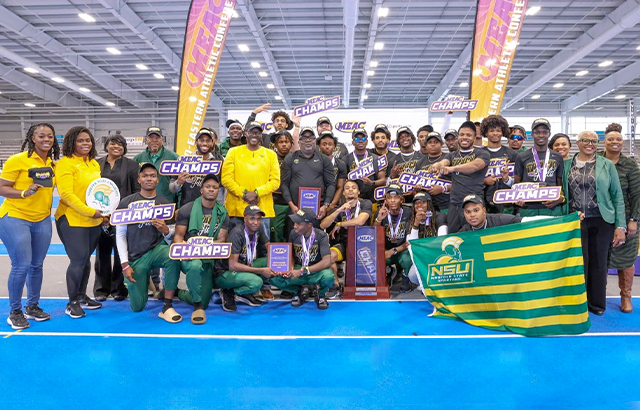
<point x="633" y="220"/>
<point x="395" y="251"/>
<point x="305" y="270"/>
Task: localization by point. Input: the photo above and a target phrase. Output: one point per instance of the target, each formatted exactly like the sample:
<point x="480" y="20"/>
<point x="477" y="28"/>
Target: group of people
<point x="255" y="200"/>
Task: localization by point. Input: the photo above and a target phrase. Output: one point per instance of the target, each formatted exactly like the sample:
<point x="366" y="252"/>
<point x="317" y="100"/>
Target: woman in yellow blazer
<point x="26" y="184"/>
<point x="78" y="225"/>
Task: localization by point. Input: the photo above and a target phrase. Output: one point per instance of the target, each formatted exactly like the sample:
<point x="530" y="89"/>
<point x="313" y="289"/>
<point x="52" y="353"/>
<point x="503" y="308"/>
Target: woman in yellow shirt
<point x="78" y="225"/>
<point x="26" y="184"/>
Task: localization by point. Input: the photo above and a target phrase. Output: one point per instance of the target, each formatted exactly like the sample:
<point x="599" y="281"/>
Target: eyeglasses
<point x="589" y="142"/>
<point x="254" y="133"/>
<point x="307" y="137"/>
<point x="516" y="137"/>
<point x="359" y="139"/>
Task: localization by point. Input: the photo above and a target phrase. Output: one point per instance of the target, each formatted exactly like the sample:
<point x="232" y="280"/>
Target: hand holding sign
<point x="182" y="178"/>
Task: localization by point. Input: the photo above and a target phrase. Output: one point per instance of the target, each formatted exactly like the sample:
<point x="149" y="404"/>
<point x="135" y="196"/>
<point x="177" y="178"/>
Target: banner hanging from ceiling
<point x="498" y="26"/>
<point x="207" y="26"/>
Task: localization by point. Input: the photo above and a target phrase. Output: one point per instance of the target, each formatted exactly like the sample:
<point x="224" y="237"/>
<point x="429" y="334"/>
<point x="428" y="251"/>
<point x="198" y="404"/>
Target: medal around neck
<point x="103" y="195"/>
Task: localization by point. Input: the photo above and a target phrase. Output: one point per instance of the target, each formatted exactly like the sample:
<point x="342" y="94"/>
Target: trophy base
<point x="366" y="292"/>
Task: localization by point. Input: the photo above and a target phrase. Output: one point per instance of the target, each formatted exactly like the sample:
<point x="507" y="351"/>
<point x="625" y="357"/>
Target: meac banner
<point x="207" y="25"/>
<point x="527" y="278"/>
<point x="498" y="26"/>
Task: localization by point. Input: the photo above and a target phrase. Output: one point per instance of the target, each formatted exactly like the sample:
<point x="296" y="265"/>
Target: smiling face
<point x="43" y="139"/>
<point x="541" y="136"/>
<point x="148" y="179"/>
<point x="322" y="127"/>
<point x="405" y="140"/>
<point x="204" y="143"/>
<point x="351" y="190"/>
<point x="587" y="143"/>
<point x="83" y="144"/>
<point x="154" y="143"/>
<point x="115" y="149"/>
<point x="254" y="137"/>
<point x="235" y="132"/>
<point x="466" y="138"/>
<point x="562" y="146"/>
<point x="613" y="142"/>
<point x="307" y="143"/>
<point x="494" y="134"/>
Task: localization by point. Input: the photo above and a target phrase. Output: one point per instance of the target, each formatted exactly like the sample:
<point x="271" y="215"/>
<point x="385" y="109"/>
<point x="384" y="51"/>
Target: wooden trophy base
<point x="366" y="292"/>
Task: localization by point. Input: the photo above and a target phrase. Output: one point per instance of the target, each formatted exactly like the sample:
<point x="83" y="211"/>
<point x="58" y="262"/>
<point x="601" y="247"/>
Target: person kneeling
<point x="476" y="217"/>
<point x="243" y="274"/>
<point x="312" y="257"/>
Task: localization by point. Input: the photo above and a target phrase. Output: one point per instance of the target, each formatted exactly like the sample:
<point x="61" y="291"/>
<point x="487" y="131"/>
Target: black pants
<point x="109" y="280"/>
<point x="79" y="242"/>
<point x="596" y="244"/>
<point x="455" y="218"/>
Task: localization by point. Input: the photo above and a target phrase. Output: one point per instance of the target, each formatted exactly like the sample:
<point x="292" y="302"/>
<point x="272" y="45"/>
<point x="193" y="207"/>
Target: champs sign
<point x="317" y="104"/>
<point x="141" y="212"/>
<point x="200" y="247"/>
<point x="527" y="192"/>
<point x="191" y="164"/>
<point x="453" y="103"/>
<point x="364" y="169"/>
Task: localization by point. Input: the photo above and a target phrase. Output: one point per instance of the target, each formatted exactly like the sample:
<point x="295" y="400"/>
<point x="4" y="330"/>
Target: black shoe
<point x="249" y="299"/>
<point x="297" y="301"/>
<point x="87" y="303"/>
<point x="228" y="300"/>
<point x="304" y="293"/>
<point x="334" y="292"/>
<point x="322" y="303"/>
<point x="286" y="295"/>
<point x="313" y="291"/>
<point x="34" y="312"/>
<point x="118" y="297"/>
<point x="74" y="310"/>
<point x="406" y="286"/>
<point x="17" y="320"/>
<point x="101" y="298"/>
<point x="598" y="312"/>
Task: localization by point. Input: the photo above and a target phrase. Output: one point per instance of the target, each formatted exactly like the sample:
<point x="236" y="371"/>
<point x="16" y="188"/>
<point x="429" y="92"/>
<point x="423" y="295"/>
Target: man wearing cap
<point x="327" y="143"/>
<point x="381" y="138"/>
<point x="396" y="220"/>
<point x="359" y="154"/>
<point x="340" y="150"/>
<point x="517" y="135"/>
<point x="422" y="137"/>
<point x="281" y="121"/>
<point x="543" y="165"/>
<point x="307" y="168"/>
<point x="244" y="272"/>
<point x="431" y="146"/>
<point x="451" y="139"/>
<point x="144" y="246"/>
<point x="495" y="127"/>
<point x="235" y="136"/>
<point x="408" y="157"/>
<point x="312" y="259"/>
<point x="283" y="141"/>
<point x="467" y="168"/>
<point x="251" y="174"/>
<point x="476" y="217"/>
<point x="188" y="186"/>
<point x="155" y="154"/>
<point x="205" y="216"/>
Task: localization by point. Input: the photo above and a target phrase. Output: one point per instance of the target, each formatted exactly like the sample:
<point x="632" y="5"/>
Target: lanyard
<point x="348" y="212"/>
<point x="306" y="248"/>
<point x="542" y="173"/>
<point x="355" y="157"/>
<point x="252" y="245"/>
<point x="394" y="230"/>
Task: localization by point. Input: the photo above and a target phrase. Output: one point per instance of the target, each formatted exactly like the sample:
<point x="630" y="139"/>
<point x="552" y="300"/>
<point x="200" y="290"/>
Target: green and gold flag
<point x="527" y="278"/>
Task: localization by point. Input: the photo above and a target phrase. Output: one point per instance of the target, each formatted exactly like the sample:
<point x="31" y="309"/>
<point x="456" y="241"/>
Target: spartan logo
<point x="449" y="268"/>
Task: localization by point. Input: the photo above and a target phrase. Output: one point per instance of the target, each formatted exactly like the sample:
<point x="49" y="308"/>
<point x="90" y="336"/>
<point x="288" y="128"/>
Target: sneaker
<point x="286" y="295"/>
<point x="304" y="293"/>
<point x="17" y="320"/>
<point x="249" y="299"/>
<point x="89" y="304"/>
<point x="117" y="297"/>
<point x="228" y="300"/>
<point x="296" y="301"/>
<point x="74" y="310"/>
<point x="266" y="294"/>
<point x="406" y="286"/>
<point x="100" y="297"/>
<point x="34" y="312"/>
<point x="334" y="292"/>
<point x="322" y="303"/>
<point x="313" y="291"/>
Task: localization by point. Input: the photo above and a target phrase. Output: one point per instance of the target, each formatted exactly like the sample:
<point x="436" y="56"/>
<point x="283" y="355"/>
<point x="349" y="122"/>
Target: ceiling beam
<point x="449" y="80"/>
<point x="622" y="18"/>
<point x="350" y="20"/>
<point x="373" y="31"/>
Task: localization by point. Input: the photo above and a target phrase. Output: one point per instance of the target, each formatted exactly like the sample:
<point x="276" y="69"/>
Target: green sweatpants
<point x="557" y="211"/>
<point x="324" y="278"/>
<point x="242" y="283"/>
<point x="403" y="259"/>
<point x="157" y="257"/>
<point x="199" y="275"/>
<point x="278" y="222"/>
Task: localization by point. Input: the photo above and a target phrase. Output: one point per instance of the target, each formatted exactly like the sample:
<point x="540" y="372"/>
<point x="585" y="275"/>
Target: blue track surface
<point x="101" y="362"/>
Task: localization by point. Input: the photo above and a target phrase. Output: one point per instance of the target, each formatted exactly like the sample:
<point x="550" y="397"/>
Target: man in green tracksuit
<point x="155" y="153"/>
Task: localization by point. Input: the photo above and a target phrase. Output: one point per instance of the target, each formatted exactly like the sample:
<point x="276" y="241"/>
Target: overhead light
<point x="84" y="90"/>
<point x="371" y="73"/>
<point x="535" y="97"/>
<point x="532" y="10"/>
<point x="114" y="51"/>
<point x="605" y="63"/>
<point x="364" y="97"/>
<point x="141" y="67"/>
<point x="243" y="47"/>
<point x="598" y="108"/>
<point x="255" y="64"/>
<point x="373" y="64"/>
<point x="367" y="85"/>
<point x="383" y="12"/>
<point x="158" y="76"/>
<point x="620" y="96"/>
<point x="175" y="87"/>
<point x="87" y="17"/>
<point x="234" y="14"/>
<point x="277" y="97"/>
<point x="581" y="73"/>
<point x="465" y="84"/>
<point x="521" y="108"/>
<point x="193" y="99"/>
<point x="477" y="71"/>
<point x="58" y="80"/>
<point x="31" y="70"/>
<point x="29" y="105"/>
<point x="558" y="85"/>
<point x="109" y="104"/>
<point x="378" y="46"/>
<point x="271" y="86"/>
<point x="262" y="73"/>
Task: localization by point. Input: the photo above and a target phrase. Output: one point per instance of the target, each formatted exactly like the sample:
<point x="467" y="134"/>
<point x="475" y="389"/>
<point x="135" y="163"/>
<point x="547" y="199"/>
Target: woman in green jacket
<point x="592" y="188"/>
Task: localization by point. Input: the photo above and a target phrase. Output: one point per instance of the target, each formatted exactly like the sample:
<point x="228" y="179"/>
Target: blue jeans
<point x="27" y="244"/>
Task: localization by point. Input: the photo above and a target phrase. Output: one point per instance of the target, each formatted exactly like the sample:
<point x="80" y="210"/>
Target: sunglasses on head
<point x="516" y="137"/>
<point x="359" y="139"/>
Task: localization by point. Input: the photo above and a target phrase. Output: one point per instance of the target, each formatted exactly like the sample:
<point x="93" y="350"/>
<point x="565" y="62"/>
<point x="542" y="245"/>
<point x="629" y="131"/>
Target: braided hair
<point x="69" y="142"/>
<point x="54" y="152"/>
<point x="428" y="230"/>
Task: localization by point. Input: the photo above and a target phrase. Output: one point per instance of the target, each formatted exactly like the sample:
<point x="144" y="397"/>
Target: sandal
<point x="198" y="317"/>
<point x="170" y="315"/>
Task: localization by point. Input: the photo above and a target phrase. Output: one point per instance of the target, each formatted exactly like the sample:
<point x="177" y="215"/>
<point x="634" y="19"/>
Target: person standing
<point x="495" y="127"/>
<point x="77" y="223"/>
<point x="235" y="137"/>
<point x="124" y="173"/>
<point x="25" y="227"/>
<point x="340" y="150"/>
<point x="326" y="144"/>
<point x="451" y="139"/>
<point x="432" y="146"/>
<point x="517" y="136"/>
<point x="281" y="121"/>
<point x="561" y="144"/>
<point x="408" y="157"/>
<point x="380" y="136"/>
<point x="155" y="153"/>
<point x="623" y="257"/>
<point x="378" y="177"/>
<point x="283" y="141"/>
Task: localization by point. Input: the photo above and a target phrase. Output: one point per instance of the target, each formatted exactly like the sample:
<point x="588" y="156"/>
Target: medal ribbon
<point x="348" y="212"/>
<point x="252" y="245"/>
<point x="306" y="248"/>
<point x="394" y="230"/>
<point x="542" y="173"/>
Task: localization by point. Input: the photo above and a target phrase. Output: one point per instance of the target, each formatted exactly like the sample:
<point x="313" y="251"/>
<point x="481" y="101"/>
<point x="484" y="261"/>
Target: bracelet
<point x="124" y="267"/>
<point x="378" y="221"/>
<point x="339" y="224"/>
<point x="623" y="228"/>
<point x="22" y="193"/>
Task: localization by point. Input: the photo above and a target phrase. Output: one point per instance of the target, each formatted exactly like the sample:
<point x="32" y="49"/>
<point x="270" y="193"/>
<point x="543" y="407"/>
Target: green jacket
<point x="608" y="191"/>
<point x="225" y="145"/>
<point x="165" y="154"/>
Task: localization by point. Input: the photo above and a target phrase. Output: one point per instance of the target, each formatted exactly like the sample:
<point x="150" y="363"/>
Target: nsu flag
<point x="527" y="278"/>
<point x="498" y="26"/>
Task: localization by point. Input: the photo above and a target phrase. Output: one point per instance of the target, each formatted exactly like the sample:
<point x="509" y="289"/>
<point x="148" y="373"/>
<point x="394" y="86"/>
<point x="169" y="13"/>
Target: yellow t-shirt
<point x="73" y="176"/>
<point x="33" y="208"/>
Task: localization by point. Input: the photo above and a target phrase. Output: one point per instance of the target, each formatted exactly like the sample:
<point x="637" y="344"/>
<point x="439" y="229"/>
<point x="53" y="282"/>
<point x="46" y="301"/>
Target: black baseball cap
<point x="147" y="165"/>
<point x="327" y="134"/>
<point x="276" y="135"/>
<point x="252" y="210"/>
<point x="308" y="129"/>
<point x="434" y="134"/>
<point x="472" y="199"/>
<point x="210" y="176"/>
<point x="394" y="189"/>
<point x="381" y="127"/>
<point x="421" y="196"/>
<point x="322" y="120"/>
<point x="541" y="121"/>
<point x="254" y="124"/>
<point x="231" y="122"/>
<point x="358" y="131"/>
<point x="450" y="132"/>
<point x="303" y="215"/>
<point x="154" y="130"/>
<point x="206" y="131"/>
<point x="403" y="129"/>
